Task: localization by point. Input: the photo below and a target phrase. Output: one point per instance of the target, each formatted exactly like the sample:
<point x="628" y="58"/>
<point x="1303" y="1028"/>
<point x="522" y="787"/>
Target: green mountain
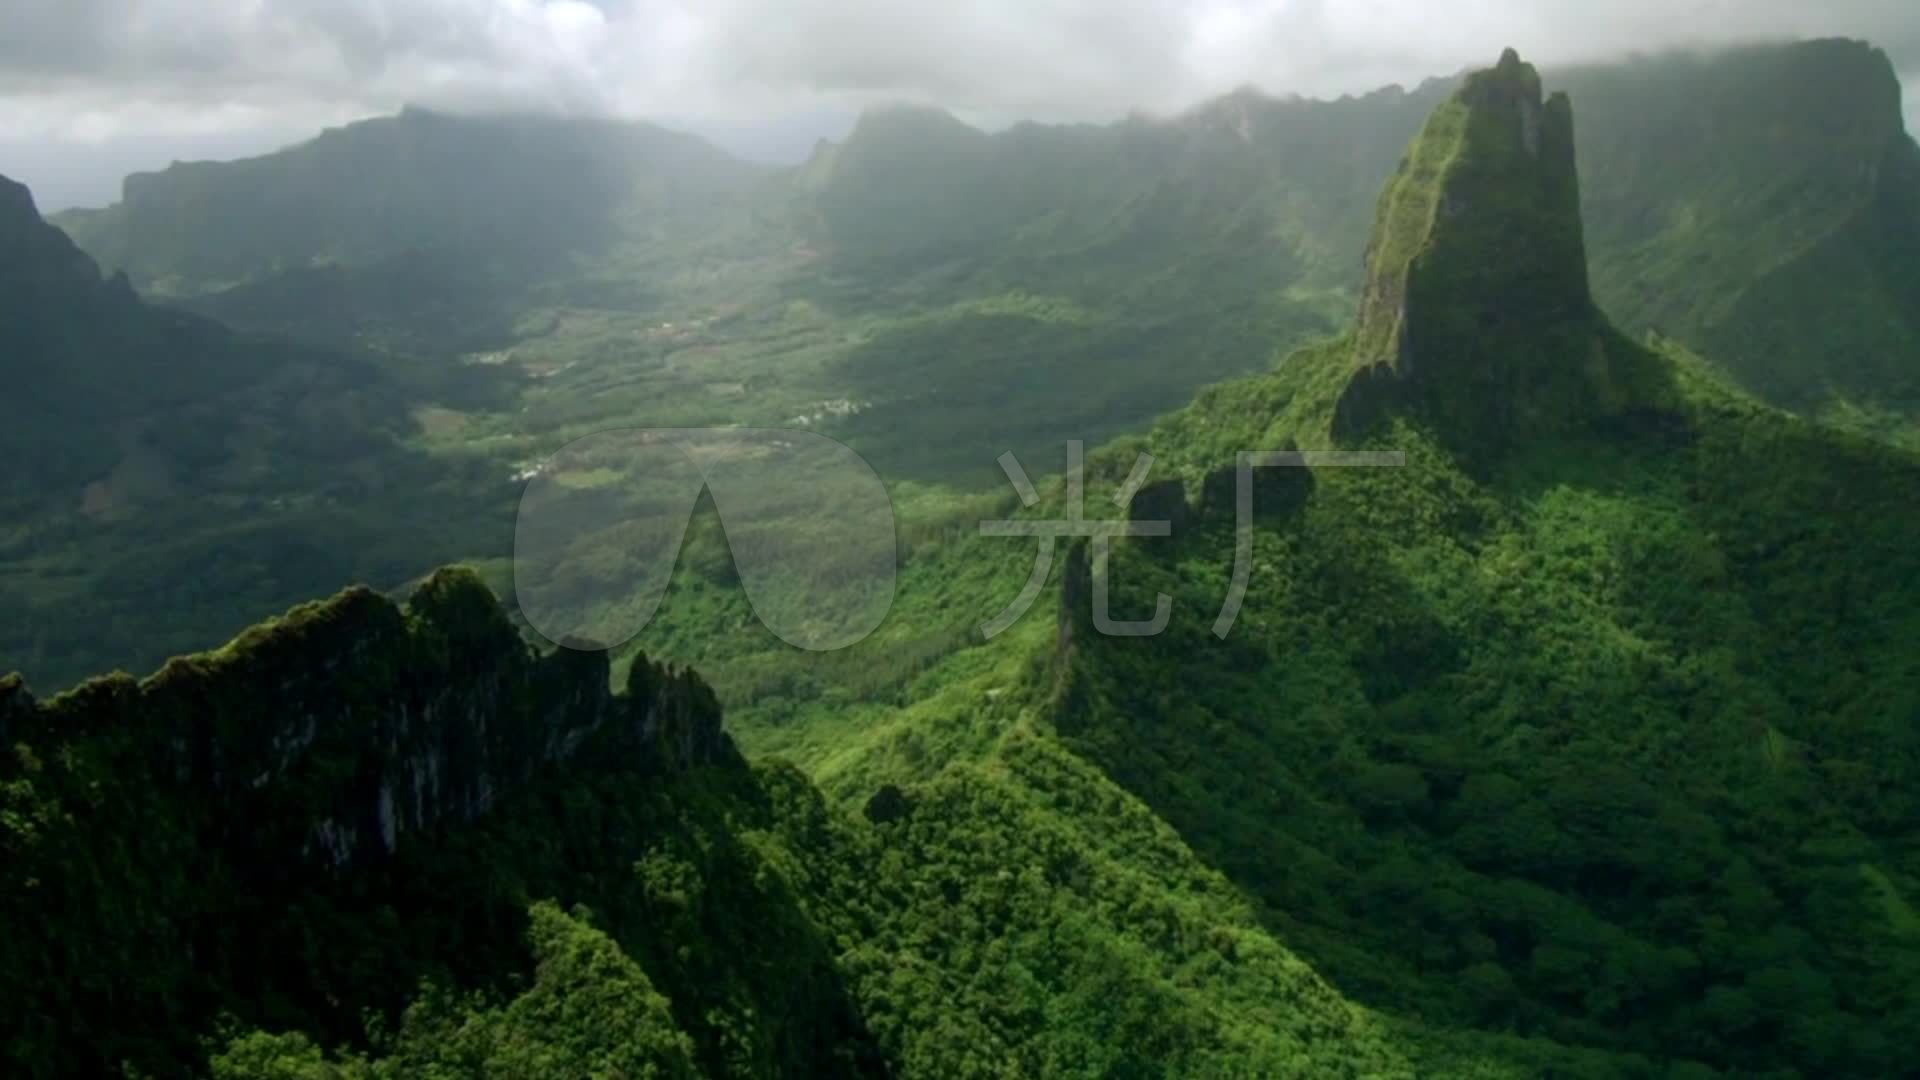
<point x="1476" y="311"/>
<point x="498" y="188"/>
<point x="85" y="357"/>
<point x="935" y="295"/>
<point x="1074" y="280"/>
<point x="463" y="213"/>
<point x="100" y="375"/>
<point x="1592" y="719"/>
<point x="354" y="799"/>
<point x="1763" y="206"/>
<point x="185" y="479"/>
<point x="1578" y="745"/>
<point x="363" y="841"/>
<point x="913" y="187"/>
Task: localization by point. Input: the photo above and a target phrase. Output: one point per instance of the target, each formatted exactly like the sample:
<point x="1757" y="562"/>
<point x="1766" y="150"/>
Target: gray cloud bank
<point x="113" y="75"/>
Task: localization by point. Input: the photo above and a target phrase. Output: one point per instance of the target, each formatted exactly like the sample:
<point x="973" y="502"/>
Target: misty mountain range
<point x="1576" y="736"/>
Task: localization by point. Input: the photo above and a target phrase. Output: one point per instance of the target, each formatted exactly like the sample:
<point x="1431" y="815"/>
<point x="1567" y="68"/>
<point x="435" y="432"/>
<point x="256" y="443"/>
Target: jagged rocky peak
<point x="1488" y="191"/>
<point x="35" y="257"/>
<point x="352" y="722"/>
<point x="1476" y="309"/>
<point x="15" y="200"/>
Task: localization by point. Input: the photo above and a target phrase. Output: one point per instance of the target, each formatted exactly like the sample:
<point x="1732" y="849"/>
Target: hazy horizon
<point x="92" y="91"/>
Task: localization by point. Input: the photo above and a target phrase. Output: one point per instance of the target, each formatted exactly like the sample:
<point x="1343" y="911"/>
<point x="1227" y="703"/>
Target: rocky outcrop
<point x="888" y="805"/>
<point x="1476" y="312"/>
<point x="1162" y="500"/>
<point x="85" y="348"/>
<point x="39" y="264"/>
<point x="348" y="725"/>
<point x="1278" y="491"/>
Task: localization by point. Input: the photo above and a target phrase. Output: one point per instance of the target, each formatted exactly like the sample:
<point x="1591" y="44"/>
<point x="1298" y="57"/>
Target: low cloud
<point x="96" y="70"/>
<point x="1031" y="56"/>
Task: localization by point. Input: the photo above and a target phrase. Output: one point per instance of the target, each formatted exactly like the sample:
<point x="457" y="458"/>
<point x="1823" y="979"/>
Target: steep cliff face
<point x="184" y="842"/>
<point x="1476" y="310"/>
<point x="1762" y="205"/>
<point x="336" y="731"/>
<point x="37" y="261"/>
<point x="92" y="367"/>
<point x="48" y="285"/>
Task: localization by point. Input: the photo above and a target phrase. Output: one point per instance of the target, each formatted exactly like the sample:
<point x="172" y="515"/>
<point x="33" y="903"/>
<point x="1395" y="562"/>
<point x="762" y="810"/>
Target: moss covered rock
<point x="1476" y="310"/>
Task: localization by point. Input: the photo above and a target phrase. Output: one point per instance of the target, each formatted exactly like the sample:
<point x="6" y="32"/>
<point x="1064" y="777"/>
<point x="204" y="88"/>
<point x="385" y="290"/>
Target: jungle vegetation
<point x="1579" y="743"/>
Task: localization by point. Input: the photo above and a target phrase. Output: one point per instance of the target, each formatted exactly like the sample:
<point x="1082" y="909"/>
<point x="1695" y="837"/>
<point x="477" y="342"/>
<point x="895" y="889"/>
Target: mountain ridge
<point x="502" y="188"/>
<point x="1735" y="201"/>
<point x="1553" y="734"/>
<point x="1723" y="192"/>
<point x="1564" y="748"/>
<point x="159" y="435"/>
<point x="300" y="761"/>
<point x="1476" y="305"/>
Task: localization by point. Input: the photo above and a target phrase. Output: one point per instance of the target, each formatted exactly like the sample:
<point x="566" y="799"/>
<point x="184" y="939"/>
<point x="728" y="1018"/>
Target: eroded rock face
<point x="1278" y="491"/>
<point x="888" y="805"/>
<point x="1162" y="500"/>
<point x="341" y="729"/>
<point x="1476" y="311"/>
<point x="38" y="263"/>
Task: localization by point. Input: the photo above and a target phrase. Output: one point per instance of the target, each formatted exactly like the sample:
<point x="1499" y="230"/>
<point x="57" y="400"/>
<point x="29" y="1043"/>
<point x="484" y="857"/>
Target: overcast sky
<point x="93" y="89"/>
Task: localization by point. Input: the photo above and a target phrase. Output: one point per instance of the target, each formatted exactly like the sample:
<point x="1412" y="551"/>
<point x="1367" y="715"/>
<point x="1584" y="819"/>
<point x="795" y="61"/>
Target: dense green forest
<point x="1600" y="735"/>
<point x="1578" y="741"/>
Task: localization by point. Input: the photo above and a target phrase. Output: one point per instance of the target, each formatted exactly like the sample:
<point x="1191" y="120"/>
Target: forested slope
<point x="367" y="841"/>
<point x="1579" y="743"/>
<point x="1594" y="719"/>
